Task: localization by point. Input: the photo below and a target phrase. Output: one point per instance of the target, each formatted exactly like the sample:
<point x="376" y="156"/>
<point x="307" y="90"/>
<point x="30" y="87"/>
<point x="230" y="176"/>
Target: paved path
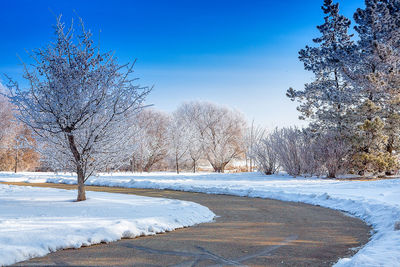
<point x="248" y="232"/>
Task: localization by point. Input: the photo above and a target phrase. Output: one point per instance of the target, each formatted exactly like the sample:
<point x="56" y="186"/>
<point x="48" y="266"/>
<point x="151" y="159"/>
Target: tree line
<point x="195" y="132"/>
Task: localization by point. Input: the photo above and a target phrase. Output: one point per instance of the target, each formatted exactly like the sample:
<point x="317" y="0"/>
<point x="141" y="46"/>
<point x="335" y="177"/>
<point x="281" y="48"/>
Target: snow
<point x="37" y="221"/>
<point x="375" y="202"/>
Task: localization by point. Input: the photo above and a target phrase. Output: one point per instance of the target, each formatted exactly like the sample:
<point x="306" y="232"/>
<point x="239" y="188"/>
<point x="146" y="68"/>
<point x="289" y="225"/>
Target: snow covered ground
<point x="376" y="202"/>
<point x="37" y="221"/>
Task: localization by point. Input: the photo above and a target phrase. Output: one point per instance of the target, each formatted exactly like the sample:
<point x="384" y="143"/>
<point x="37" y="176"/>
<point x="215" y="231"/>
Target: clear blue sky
<point x="239" y="53"/>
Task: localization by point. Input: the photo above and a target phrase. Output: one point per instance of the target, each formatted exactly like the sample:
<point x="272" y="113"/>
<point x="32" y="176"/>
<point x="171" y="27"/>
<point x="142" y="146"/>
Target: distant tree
<point x="264" y="154"/>
<point x="196" y="148"/>
<point x="7" y="127"/>
<point x="179" y="138"/>
<point x="215" y="132"/>
<point x="252" y="138"/>
<point x="190" y="114"/>
<point x="23" y="149"/>
<point x="16" y="140"/>
<point x="151" y="139"/>
<point x="78" y="103"/>
<point x="222" y="132"/>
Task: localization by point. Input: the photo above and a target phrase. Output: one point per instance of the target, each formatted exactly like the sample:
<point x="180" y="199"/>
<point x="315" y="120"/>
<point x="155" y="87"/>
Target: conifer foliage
<point x="354" y="97"/>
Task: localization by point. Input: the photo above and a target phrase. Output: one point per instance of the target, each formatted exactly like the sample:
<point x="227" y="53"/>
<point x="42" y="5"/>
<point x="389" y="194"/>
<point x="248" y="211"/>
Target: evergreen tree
<point x="373" y="71"/>
<point x="325" y="100"/>
<point x="370" y="141"/>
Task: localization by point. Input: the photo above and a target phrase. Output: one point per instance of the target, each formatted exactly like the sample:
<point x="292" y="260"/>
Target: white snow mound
<point x="37" y="221"/>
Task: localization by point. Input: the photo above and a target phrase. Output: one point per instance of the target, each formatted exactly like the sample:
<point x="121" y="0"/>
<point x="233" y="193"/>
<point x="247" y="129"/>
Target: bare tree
<point x="23" y="146"/>
<point x="311" y="161"/>
<point x="16" y="140"/>
<point x="179" y="138"/>
<point x="252" y="138"/>
<point x="221" y="133"/>
<point x="298" y="152"/>
<point x="190" y="115"/>
<point x="78" y="103"/>
<point x="151" y="139"/>
<point x="215" y="132"/>
<point x="196" y="150"/>
<point x="333" y="151"/>
<point x="287" y="144"/>
<point x="7" y="133"/>
<point x="6" y="117"/>
<point x="265" y="156"/>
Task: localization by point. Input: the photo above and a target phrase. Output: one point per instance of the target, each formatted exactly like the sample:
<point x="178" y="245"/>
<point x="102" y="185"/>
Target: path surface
<point x="248" y="232"/>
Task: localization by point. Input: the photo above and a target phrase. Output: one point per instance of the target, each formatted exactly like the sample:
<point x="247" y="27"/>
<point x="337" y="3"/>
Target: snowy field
<point x="375" y="202"/>
<point x="37" y="221"/>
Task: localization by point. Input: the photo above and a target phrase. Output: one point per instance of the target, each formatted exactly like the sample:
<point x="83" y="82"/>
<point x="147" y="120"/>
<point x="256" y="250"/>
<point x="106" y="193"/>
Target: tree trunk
<point x="148" y="165"/>
<point x="132" y="165"/>
<point x="147" y="168"/>
<point x="16" y="161"/>
<point x="177" y="165"/>
<point x="79" y="170"/>
<point x="331" y="174"/>
<point x="268" y="172"/>
<point x="194" y="166"/>
<point x="389" y="149"/>
<point x="81" y="185"/>
<point x="220" y="168"/>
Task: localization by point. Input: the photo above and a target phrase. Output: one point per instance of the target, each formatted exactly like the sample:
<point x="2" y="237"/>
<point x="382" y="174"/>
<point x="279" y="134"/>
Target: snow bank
<point x="37" y="221"/>
<point x="375" y="202"/>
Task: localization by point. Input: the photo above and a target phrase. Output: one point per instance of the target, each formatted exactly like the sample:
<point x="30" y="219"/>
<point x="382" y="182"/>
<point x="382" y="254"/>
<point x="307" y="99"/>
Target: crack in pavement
<point x="205" y="254"/>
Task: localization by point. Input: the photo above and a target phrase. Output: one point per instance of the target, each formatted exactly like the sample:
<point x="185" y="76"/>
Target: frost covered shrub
<point x="303" y="152"/>
<point x="293" y="153"/>
<point x="311" y="161"/>
<point x="265" y="156"/>
<point x="289" y="149"/>
<point x="285" y="145"/>
<point x="332" y="151"/>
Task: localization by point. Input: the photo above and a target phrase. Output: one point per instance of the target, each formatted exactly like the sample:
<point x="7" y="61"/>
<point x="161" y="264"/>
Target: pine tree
<point x="373" y="71"/>
<point x="370" y="141"/>
<point x="325" y="100"/>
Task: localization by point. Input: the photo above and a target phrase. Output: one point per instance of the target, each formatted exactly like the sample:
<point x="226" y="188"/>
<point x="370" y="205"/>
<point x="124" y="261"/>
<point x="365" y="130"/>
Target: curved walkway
<point x="247" y="232"/>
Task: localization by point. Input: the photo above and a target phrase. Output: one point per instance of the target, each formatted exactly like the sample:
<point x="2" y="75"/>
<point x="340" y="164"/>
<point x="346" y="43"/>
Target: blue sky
<point x="237" y="53"/>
